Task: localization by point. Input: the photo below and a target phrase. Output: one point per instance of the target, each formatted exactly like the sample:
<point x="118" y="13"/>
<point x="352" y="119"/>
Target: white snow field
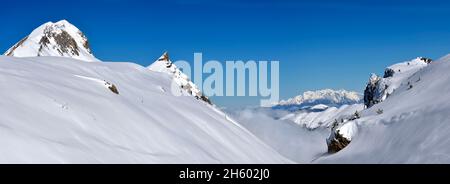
<point x="61" y="110"/>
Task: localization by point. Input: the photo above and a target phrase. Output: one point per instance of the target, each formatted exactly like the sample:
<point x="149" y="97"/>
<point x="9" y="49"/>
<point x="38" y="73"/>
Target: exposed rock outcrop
<point x="336" y="142"/>
<point x="112" y="87"/>
<point x="389" y="72"/>
<point x="426" y="60"/>
<point x="375" y="91"/>
<point x="165" y="65"/>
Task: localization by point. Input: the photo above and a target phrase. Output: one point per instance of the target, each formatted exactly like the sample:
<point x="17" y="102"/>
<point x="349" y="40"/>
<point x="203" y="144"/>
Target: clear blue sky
<point x="320" y="44"/>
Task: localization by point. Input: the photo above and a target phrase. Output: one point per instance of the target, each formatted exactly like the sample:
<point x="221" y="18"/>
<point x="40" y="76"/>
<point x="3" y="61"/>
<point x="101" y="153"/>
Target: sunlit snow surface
<point x="58" y="110"/>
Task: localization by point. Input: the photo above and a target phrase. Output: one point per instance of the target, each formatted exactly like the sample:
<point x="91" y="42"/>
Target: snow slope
<point x="54" y="39"/>
<point x="290" y="140"/>
<point x="61" y="110"/>
<point x="413" y="126"/>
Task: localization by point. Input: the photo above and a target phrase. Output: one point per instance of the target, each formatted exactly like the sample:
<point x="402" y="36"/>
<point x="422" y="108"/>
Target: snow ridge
<point x="181" y="80"/>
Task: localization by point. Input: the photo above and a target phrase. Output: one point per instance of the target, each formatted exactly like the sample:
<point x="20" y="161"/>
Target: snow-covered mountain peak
<point x="164" y="57"/>
<point x="54" y="39"/>
<point x="373" y="78"/>
<point x="165" y="65"/>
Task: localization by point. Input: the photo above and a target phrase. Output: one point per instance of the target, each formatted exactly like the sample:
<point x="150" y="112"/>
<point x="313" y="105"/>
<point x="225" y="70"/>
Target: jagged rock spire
<point x="164" y="65"/>
<point x="164" y="57"/>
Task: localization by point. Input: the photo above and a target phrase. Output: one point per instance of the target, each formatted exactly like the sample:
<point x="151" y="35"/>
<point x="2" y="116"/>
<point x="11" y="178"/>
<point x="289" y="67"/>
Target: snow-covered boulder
<point x="341" y="135"/>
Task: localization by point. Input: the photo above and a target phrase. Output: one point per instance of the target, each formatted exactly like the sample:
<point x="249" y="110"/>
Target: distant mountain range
<point x="324" y="98"/>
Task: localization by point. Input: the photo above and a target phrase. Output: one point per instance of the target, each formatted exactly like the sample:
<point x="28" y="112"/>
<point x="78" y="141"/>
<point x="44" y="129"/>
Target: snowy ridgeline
<point x="318" y="109"/>
<point x="165" y="65"/>
<point x="62" y="110"/>
<point x="325" y="97"/>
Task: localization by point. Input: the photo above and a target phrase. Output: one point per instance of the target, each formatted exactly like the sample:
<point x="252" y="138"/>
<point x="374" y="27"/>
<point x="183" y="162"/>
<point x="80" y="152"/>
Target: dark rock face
<point x="337" y="143"/>
<point x="86" y="44"/>
<point x="206" y="99"/>
<point x="43" y="42"/>
<point x="369" y="95"/>
<point x="426" y="60"/>
<point x="113" y="89"/>
<point x="188" y="88"/>
<point x="374" y="91"/>
<point x="388" y="73"/>
<point x="66" y="43"/>
<point x="165" y="57"/>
